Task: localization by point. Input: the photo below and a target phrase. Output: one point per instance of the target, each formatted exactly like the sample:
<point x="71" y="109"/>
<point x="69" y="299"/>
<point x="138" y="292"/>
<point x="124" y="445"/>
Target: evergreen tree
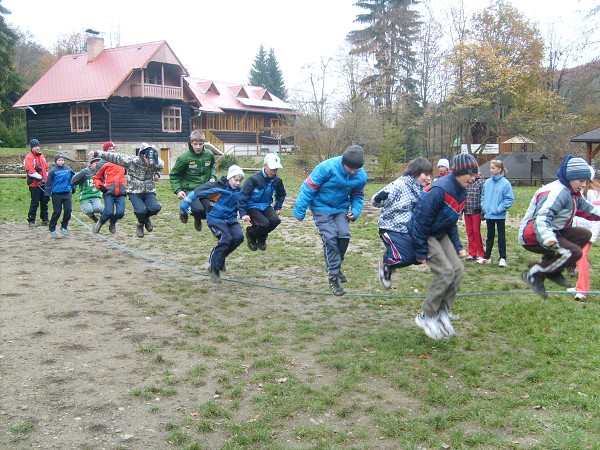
<point x="259" y="71"/>
<point x="266" y="73"/>
<point x="11" y="87"/>
<point x="275" y="83"/>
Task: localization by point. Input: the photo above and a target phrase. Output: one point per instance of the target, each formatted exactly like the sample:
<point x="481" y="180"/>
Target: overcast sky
<point x="219" y="40"/>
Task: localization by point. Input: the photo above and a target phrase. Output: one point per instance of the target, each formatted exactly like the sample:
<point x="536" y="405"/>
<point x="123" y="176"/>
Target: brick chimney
<point x="95" y="46"/>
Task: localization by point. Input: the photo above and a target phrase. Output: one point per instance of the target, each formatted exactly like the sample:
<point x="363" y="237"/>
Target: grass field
<point x="524" y="372"/>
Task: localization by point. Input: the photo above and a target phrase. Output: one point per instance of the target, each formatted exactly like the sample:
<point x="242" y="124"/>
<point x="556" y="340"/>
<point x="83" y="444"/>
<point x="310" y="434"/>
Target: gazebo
<point x="520" y="140"/>
<point x="590" y="138"/>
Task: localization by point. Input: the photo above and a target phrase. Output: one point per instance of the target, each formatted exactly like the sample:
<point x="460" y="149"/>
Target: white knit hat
<point x="233" y="171"/>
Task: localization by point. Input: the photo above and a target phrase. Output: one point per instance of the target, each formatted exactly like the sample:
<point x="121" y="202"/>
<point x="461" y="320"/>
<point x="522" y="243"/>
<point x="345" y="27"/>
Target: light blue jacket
<point x="331" y="189"/>
<point x="496" y="197"/>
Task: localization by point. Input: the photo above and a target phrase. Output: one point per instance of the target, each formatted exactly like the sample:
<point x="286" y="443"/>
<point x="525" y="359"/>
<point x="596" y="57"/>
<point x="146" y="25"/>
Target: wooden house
<point x="143" y="93"/>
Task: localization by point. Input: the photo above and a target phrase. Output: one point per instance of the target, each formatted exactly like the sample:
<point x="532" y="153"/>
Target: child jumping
<point x="59" y="187"/>
<point x="222" y="218"/>
<point x="435" y="238"/>
<point x="546" y="227"/>
<point x="90" y="198"/>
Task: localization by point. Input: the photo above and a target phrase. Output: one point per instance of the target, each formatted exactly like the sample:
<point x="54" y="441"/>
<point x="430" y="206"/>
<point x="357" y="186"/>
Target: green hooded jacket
<point x="192" y="170"/>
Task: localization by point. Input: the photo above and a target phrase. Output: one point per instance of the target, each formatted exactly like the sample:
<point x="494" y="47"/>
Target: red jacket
<point x="36" y="164"/>
<point x="112" y="177"/>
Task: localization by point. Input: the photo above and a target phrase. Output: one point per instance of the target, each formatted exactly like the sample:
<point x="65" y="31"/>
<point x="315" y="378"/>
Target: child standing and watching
<point x="496" y="197"/>
<point x="90" y="198"/>
<point x="546" y="227"/>
<point x="60" y="188"/>
<point x="37" y="173"/>
<point x="472" y="215"/>
<point x="256" y="200"/>
<point x="435" y="238"/>
<point x="397" y="201"/>
<point x="222" y="218"/>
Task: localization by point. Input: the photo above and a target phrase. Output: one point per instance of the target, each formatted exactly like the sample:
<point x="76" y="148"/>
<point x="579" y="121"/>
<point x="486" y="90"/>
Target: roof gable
<point x="590" y="136"/>
<point x="74" y="78"/>
<point x="214" y="96"/>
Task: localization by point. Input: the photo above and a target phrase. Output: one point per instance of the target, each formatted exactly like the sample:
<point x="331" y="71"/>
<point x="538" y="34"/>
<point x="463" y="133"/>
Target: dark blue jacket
<point x="59" y="180"/>
<point x="436" y="214"/>
<point x="258" y="192"/>
<point x="225" y="200"/>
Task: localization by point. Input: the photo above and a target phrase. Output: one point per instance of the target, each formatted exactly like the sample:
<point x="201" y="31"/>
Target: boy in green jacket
<point x="89" y="197"/>
<point x="193" y="168"/>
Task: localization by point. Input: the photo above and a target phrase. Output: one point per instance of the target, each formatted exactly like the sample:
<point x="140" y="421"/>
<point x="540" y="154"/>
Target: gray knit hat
<point x="354" y="157"/>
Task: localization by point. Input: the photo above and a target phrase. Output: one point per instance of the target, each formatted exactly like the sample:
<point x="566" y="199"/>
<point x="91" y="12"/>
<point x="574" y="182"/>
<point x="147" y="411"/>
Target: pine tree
<point x="266" y="73"/>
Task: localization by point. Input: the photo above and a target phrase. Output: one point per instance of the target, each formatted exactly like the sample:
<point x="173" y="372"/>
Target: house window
<point x="81" y="118"/>
<point x="171" y="120"/>
<point x="81" y="155"/>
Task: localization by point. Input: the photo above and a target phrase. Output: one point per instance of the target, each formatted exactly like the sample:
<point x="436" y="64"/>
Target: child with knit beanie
<point x="546" y="227"/>
<point x="435" y="239"/>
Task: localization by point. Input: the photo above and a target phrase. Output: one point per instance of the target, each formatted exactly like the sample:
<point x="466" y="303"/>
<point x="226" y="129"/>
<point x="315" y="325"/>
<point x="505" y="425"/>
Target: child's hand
<point x="462" y="254"/>
<point x="351" y="217"/>
<point x="246" y="218"/>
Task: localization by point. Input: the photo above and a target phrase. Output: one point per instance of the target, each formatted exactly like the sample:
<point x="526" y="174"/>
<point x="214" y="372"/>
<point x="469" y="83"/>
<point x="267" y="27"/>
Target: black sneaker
<point x="261" y="244"/>
<point x="251" y="243"/>
<point x="559" y="279"/>
<point x="197" y="223"/>
<point x="183" y="217"/>
<point x="45" y="223"/>
<point x="215" y="276"/>
<point x="536" y="283"/>
<point x="97" y="227"/>
<point x="149" y="226"/>
<point x="342" y="277"/>
<point x="336" y="286"/>
<point x="112" y="227"/>
<point x="32" y="225"/>
<point x="139" y="230"/>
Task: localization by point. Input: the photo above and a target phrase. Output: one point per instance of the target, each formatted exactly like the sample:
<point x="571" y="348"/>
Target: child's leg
<point x="237" y="237"/>
<point x="326" y="225"/>
<point x="573" y="239"/>
<point x="501" y="223"/>
<point x="491" y="235"/>
<point x="259" y="224"/>
<point x="87" y="207"/>
<point x="67" y="210"/>
<point x="583" y="267"/>
<point x="399" y="251"/>
<point x="222" y="232"/>
<point x="447" y="271"/>
<point x="477" y="235"/>
<point x="97" y="206"/>
<point x="152" y="205"/>
<point x="57" y="209"/>
<point x="469" y="226"/>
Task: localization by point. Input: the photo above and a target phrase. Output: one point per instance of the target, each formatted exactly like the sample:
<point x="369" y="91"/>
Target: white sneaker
<point x="445" y="324"/>
<point x="502" y="262"/>
<point x="580" y="297"/>
<point x="482" y="260"/>
<point x="573" y="290"/>
<point x="430" y="326"/>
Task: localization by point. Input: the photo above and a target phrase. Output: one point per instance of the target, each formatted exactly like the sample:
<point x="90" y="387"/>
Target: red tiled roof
<point x="215" y="97"/>
<point x="72" y="78"/>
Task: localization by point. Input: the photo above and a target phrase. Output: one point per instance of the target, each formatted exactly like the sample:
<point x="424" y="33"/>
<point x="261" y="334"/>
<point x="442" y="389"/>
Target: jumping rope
<point x="302" y="291"/>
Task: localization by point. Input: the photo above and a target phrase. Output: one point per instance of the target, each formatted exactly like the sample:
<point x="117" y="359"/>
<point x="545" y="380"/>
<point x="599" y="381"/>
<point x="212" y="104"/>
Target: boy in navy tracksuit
<point x="435" y="239"/>
<point x="60" y="188"/>
<point x="222" y="218"/>
<point x="256" y="200"/>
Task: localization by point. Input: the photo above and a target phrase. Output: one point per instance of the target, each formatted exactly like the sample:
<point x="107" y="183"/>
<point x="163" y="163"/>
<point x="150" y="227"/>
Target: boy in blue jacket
<point x="435" y="239"/>
<point x="256" y="200"/>
<point x="222" y="218"/>
<point x="334" y="192"/>
<point x="60" y="188"/>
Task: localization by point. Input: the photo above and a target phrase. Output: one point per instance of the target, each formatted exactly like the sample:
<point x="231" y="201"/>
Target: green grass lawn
<point x="524" y="372"/>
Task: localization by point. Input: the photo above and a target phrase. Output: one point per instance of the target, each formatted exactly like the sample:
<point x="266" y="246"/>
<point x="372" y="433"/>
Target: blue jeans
<point x="114" y="208"/>
<point x="144" y="206"/>
<point x="230" y="236"/>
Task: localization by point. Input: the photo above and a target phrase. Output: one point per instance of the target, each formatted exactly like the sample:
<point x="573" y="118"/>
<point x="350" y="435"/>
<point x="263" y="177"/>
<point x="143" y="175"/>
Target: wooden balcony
<point x="157" y="91"/>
